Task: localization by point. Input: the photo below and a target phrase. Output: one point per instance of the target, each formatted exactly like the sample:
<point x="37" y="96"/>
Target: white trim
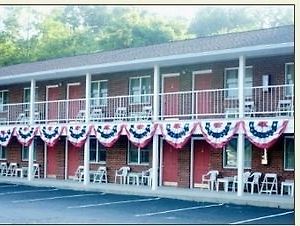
<point x="45" y="160"/>
<point x="66" y="158"/>
<point x="152" y="60"/>
<point x="285" y="75"/>
<point x="201" y="72"/>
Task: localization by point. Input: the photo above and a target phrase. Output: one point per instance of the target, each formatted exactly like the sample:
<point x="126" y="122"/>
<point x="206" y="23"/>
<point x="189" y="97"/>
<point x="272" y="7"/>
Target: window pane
<point x="102" y="155"/>
<point x="230" y="153"/>
<point x="93" y="146"/>
<point x="25" y="153"/>
<point x="248" y="82"/>
<point x="103" y="93"/>
<point x="289" y="153"/>
<point x="94" y="89"/>
<point x="135" y="90"/>
<point x="290" y="76"/>
<point x="248" y="154"/>
<point x="231" y="81"/>
<point x="133" y="154"/>
<point x="144" y="156"/>
<point x="2" y="152"/>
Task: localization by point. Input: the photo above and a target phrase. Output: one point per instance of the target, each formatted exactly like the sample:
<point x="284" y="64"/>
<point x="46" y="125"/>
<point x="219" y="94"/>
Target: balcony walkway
<point x="195" y="194"/>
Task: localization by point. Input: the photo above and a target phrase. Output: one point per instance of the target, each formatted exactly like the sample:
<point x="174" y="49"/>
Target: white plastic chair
<point x="36" y="170"/>
<point x="210" y="178"/>
<point x="269" y="184"/>
<point x="100" y="175"/>
<point x="3" y="168"/>
<point x="285" y="107"/>
<point x="79" y="173"/>
<point x="246" y="176"/>
<point x="121" y="113"/>
<point x="147" y="177"/>
<point x="81" y="115"/>
<point x="147" y="113"/>
<point x="96" y="114"/>
<point x="122" y="174"/>
<point x="255" y="181"/>
<point x="11" y="170"/>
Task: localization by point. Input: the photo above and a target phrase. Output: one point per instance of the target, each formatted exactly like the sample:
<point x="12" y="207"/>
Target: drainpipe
<point x="87" y="120"/>
<point x="241" y="136"/>
<point x="155" y="137"/>
<point x="31" y="123"/>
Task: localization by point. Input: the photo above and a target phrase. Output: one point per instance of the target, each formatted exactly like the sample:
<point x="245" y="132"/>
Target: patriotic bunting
<point x="218" y="133"/>
<point x="177" y="134"/>
<point x="264" y="133"/>
<point x="25" y="134"/>
<point x="108" y="134"/>
<point x="140" y="133"/>
<point x="78" y="134"/>
<point x="5" y="136"/>
<point x="50" y="134"/>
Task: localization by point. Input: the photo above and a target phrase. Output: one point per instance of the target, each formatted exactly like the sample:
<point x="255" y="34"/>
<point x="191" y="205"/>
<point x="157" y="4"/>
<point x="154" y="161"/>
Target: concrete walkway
<point x="195" y="194"/>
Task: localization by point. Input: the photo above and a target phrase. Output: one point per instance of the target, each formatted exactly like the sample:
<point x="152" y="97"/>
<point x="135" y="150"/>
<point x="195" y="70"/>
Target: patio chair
<point x="246" y="176"/>
<point x="269" y="184"/>
<point x="147" y="177"/>
<point x="21" y="118"/>
<point x="80" y="116"/>
<point x="210" y="178"/>
<point x="11" y="170"/>
<point x="79" y="174"/>
<point x="122" y="174"/>
<point x="249" y="108"/>
<point x="255" y="181"/>
<point x="36" y="170"/>
<point x="147" y="113"/>
<point x="3" y="168"/>
<point x="284" y="107"/>
<point x="100" y="175"/>
<point x="121" y="113"/>
<point x="97" y="114"/>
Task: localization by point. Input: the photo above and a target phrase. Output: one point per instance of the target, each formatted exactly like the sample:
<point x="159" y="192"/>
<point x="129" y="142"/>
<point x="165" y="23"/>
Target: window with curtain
<point x="97" y="151"/>
<point x="289" y="153"/>
<point x="230" y="154"/>
<point x="289" y="78"/>
<point x="99" y="91"/>
<point x="138" y="156"/>
<point x="139" y="86"/>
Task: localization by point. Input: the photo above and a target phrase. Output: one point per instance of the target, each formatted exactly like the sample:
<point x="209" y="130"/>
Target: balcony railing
<point x="219" y="103"/>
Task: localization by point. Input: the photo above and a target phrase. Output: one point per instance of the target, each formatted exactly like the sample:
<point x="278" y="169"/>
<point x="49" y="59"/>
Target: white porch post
<point x="87" y="120"/>
<point x="155" y="137"/>
<point x="31" y="123"/>
<point x="241" y="136"/>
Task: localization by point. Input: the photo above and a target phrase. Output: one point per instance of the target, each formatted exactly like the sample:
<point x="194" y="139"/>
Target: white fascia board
<point x="82" y="70"/>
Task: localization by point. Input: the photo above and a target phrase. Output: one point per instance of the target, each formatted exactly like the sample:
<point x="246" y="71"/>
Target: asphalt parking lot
<point x="20" y="204"/>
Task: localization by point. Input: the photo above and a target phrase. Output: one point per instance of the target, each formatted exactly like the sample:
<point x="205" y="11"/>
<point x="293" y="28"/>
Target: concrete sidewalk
<point x="195" y="194"/>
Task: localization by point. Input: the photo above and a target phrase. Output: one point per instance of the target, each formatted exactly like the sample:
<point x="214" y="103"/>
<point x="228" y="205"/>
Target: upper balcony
<point x="260" y="101"/>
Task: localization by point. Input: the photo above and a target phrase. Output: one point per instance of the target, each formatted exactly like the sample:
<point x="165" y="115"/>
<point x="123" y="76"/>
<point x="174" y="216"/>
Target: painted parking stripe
<point x="27" y="191"/>
<point x="52" y="198"/>
<point x="10" y="185"/>
<point x="112" y="203"/>
<point x="263" y="217"/>
<point x="177" y="210"/>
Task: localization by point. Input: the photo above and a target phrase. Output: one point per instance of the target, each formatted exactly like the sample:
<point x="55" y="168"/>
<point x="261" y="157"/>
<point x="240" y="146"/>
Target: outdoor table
<point x="225" y="181"/>
<point x="135" y="176"/>
<point x="290" y="185"/>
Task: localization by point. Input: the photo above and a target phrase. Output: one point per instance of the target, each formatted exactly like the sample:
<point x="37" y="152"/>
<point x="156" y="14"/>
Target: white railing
<point x="218" y="103"/>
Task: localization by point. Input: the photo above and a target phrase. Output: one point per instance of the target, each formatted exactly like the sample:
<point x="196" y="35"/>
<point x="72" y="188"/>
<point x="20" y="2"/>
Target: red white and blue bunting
<point x="264" y="133"/>
<point x="78" y="134"/>
<point x="177" y="134"/>
<point x="140" y="133"/>
<point x="108" y="134"/>
<point x="218" y="133"/>
<point x="50" y="134"/>
<point x="25" y="134"/>
<point x="5" y="136"/>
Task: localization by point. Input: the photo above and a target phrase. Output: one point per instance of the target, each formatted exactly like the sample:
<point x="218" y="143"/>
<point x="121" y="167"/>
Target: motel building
<point x="222" y="104"/>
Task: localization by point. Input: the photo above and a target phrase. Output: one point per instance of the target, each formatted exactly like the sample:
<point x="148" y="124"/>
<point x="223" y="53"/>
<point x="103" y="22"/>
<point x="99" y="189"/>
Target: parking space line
<point x="52" y="198"/>
<point x="11" y="185"/>
<point x="111" y="203"/>
<point x="263" y="217"/>
<point x="177" y="210"/>
<point x="27" y="191"/>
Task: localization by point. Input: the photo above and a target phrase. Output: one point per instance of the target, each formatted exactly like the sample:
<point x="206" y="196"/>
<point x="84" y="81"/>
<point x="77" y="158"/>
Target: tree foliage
<point x="29" y="35"/>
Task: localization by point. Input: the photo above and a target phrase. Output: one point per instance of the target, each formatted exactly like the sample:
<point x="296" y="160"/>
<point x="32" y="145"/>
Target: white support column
<point x="87" y="120"/>
<point x="241" y="136"/>
<point x="155" y="137"/>
<point x="31" y="123"/>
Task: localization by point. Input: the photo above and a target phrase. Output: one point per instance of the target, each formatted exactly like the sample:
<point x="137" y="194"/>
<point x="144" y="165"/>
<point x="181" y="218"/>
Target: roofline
<point x="162" y="61"/>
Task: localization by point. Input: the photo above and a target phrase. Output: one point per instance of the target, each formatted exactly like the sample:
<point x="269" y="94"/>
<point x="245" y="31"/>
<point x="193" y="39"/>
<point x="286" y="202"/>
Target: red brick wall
<point x="184" y="159"/>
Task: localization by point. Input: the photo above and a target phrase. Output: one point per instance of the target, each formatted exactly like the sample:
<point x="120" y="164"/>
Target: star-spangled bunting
<point x="25" y="134"/>
<point x="108" y="134"/>
<point x="177" y="134"/>
<point x="77" y="134"/>
<point x="5" y="136"/>
<point x="140" y="133"/>
<point x="218" y="133"/>
<point x="50" y="134"/>
<point x="264" y="133"/>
